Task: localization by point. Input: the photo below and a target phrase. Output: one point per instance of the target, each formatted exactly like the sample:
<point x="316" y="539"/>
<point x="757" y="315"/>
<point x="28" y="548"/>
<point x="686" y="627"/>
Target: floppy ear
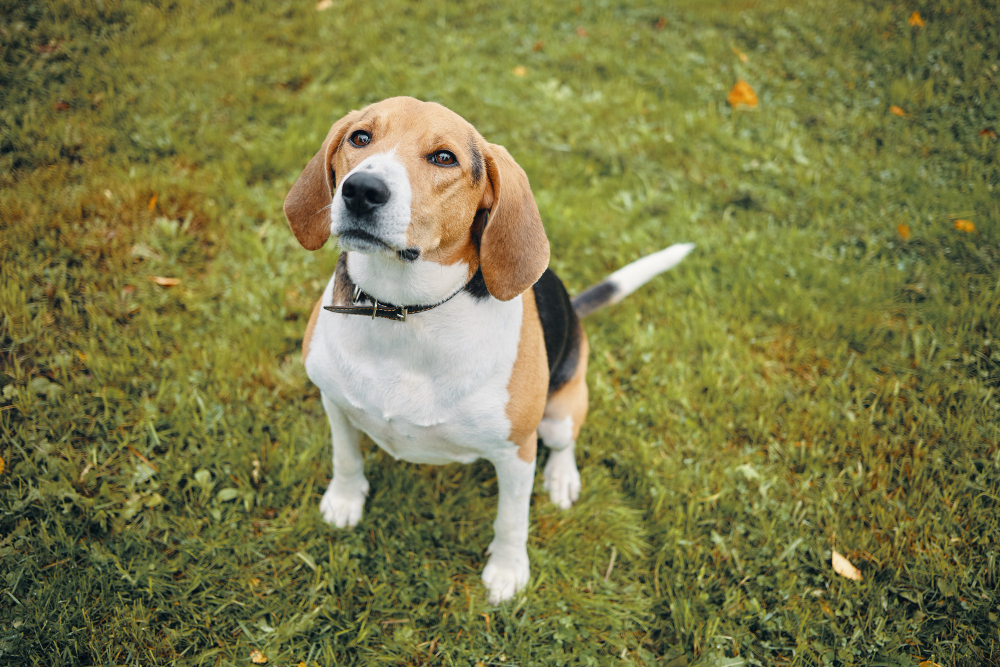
<point x="307" y="205"/>
<point x="514" y="251"/>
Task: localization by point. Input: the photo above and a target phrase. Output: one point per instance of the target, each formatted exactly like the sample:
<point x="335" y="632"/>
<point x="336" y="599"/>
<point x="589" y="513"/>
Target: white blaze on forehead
<point x="391" y="220"/>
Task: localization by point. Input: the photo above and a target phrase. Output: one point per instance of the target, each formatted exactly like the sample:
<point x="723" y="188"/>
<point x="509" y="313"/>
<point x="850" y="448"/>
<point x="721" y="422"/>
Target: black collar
<point x="385" y="310"/>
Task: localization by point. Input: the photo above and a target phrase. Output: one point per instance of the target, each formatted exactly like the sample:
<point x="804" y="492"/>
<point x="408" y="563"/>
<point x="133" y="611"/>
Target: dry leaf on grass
<point x="965" y="226"/>
<point x="916" y="21"/>
<point x="928" y="663"/>
<point x="739" y="54"/>
<point x="743" y="94"/>
<point x="3" y="466"/>
<point x="258" y="658"/>
<point x="898" y="111"/>
<point x="323" y="5"/>
<point x="904" y="231"/>
<point x="152" y="202"/>
<point x="164" y="281"/>
<point x="520" y="70"/>
<point x="843" y="567"/>
<point x="988" y="132"/>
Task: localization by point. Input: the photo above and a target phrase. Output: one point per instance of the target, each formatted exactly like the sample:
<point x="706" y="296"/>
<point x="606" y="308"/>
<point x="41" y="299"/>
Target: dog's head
<point x="414" y="180"/>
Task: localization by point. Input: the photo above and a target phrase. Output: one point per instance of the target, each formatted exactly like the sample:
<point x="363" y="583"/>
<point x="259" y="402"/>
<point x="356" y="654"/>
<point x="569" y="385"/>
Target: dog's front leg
<point x="344" y="499"/>
<point x="507" y="570"/>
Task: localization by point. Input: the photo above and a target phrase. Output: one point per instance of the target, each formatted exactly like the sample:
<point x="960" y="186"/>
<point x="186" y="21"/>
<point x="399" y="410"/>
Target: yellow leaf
<point x="520" y="70"/>
<point x="904" y="231"/>
<point x="965" y="226"/>
<point x="152" y="202"/>
<point x="258" y="658"/>
<point x="165" y="282"/>
<point x="928" y="663"/>
<point x="916" y="21"/>
<point x="897" y="111"/>
<point x="739" y="54"/>
<point x="743" y="94"/>
<point x="3" y="466"/>
<point x="301" y="664"/>
<point x="843" y="567"/>
<point x="323" y="5"/>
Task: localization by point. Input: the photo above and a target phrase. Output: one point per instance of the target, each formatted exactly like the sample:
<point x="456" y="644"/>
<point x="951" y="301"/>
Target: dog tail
<point x="628" y="279"/>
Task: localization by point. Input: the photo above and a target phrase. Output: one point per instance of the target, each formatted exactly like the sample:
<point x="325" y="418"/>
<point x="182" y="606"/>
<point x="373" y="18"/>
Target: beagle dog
<point x="442" y="333"/>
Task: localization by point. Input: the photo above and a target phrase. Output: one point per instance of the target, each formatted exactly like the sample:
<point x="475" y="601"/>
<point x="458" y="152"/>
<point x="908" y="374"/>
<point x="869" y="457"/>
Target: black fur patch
<point x="343" y="286"/>
<point x="560" y="327"/>
<point x="594" y="298"/>
<point x="477" y="161"/>
<point x="477" y="286"/>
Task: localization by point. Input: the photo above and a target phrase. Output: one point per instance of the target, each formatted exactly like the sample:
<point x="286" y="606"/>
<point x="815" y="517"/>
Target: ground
<point x="820" y="374"/>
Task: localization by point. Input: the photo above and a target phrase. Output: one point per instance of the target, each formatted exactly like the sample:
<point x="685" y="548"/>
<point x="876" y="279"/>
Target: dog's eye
<point x="361" y="138"/>
<point x="443" y="158"/>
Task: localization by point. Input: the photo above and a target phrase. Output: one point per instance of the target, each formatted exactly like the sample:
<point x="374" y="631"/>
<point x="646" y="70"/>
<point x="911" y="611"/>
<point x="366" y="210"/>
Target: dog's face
<point x="416" y="181"/>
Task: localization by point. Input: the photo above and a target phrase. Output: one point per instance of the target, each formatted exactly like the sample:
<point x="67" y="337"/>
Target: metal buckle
<point x="357" y="293"/>
<point x="402" y="313"/>
<point x="374" y="307"/>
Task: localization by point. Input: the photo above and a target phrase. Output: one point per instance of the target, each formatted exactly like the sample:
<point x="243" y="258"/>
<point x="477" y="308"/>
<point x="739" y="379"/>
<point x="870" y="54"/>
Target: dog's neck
<point x="391" y="280"/>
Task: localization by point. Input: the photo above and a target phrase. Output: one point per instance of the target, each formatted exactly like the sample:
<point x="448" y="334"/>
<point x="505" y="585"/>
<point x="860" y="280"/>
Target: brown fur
<point x="529" y="381"/>
<point x="306" y="203"/>
<point x="307" y="338"/>
<point x="570" y="400"/>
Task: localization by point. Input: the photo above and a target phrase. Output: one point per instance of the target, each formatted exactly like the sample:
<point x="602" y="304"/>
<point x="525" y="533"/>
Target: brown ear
<point x="307" y="205"/>
<point x="514" y="250"/>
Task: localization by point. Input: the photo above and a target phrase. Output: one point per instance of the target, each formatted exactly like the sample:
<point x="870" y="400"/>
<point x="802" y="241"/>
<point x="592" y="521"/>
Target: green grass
<point x="806" y="380"/>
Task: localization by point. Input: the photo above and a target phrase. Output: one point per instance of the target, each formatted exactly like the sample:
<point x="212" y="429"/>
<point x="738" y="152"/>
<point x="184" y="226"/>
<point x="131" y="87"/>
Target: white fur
<point x="418" y="283"/>
<point x="392" y="219"/>
<point x="632" y="276"/>
<point x="562" y="479"/>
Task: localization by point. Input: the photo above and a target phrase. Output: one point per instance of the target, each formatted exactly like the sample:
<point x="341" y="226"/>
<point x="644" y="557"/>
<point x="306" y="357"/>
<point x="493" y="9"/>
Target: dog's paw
<point x="341" y="506"/>
<point x="505" y="575"/>
<point x="562" y="479"/>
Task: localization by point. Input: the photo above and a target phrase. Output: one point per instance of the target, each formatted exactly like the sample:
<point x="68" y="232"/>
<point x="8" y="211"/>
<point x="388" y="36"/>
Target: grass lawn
<point x="822" y="373"/>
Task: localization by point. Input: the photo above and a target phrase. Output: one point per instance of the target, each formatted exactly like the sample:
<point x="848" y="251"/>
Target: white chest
<point x="430" y="390"/>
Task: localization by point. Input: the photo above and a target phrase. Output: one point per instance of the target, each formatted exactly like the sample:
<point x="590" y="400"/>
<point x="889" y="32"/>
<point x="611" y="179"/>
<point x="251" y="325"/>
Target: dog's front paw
<point x="505" y="575"/>
<point x="343" y="506"/>
<point x="562" y="479"/>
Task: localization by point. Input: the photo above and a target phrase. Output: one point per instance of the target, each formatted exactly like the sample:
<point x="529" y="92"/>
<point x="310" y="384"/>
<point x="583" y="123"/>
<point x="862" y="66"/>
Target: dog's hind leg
<point x="344" y="499"/>
<point x="564" y="414"/>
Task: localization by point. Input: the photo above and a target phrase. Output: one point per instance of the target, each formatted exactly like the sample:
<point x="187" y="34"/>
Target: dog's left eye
<point x="443" y="158"/>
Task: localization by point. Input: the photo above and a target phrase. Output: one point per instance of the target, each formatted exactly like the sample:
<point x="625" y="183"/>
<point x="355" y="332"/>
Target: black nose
<point x="364" y="192"/>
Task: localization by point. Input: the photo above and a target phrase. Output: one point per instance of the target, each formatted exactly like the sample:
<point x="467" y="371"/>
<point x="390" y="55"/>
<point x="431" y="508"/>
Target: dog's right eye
<point x="361" y="138"/>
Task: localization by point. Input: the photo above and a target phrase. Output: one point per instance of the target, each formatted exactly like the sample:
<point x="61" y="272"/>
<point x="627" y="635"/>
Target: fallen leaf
<point x="988" y="132"/>
<point x="520" y="71"/>
<point x="661" y="23"/>
<point x="581" y="31"/>
<point x="258" y="658"/>
<point x="539" y="45"/>
<point x="323" y="5"/>
<point x="897" y="111"/>
<point x="965" y="226"/>
<point x="743" y="94"/>
<point x="904" y="230"/>
<point x="843" y="567"/>
<point x="739" y="54"/>
<point x="916" y="21"/>
<point x="928" y="663"/>
<point x="61" y="106"/>
<point x="301" y="664"/>
<point x="152" y="202"/>
<point x="165" y="282"/>
<point x="3" y="466"/>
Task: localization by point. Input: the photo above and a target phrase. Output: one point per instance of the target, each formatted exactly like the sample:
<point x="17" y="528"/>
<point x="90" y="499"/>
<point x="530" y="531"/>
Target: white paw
<point x="562" y="479"/>
<point x="505" y="575"/>
<point x="342" y="504"/>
